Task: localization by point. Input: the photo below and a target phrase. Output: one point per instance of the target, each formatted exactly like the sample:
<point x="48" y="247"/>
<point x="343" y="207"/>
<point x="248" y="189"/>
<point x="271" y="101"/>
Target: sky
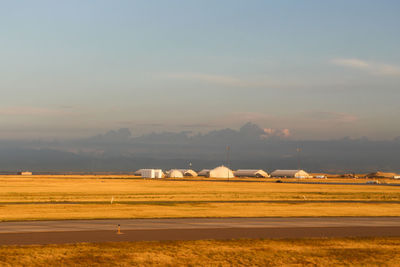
<point x="315" y="69"/>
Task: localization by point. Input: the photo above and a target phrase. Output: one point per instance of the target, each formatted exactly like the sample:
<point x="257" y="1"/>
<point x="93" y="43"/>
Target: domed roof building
<point x="291" y="174"/>
<point x="251" y="173"/>
<point x="190" y="173"/>
<point x="175" y="174"/>
<point x="221" y="172"/>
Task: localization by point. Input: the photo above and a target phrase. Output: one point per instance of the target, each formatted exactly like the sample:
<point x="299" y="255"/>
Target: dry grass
<point x="36" y="189"/>
<point x="108" y="211"/>
<point x="21" y="198"/>
<point x="301" y="252"/>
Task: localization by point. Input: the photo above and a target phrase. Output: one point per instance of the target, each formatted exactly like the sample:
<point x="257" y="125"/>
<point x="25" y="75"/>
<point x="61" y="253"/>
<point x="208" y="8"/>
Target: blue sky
<point x="319" y="69"/>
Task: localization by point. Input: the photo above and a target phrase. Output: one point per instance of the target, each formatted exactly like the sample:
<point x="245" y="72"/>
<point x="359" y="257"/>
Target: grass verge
<point x="284" y="252"/>
<point x="108" y="211"/>
<point x="22" y="198"/>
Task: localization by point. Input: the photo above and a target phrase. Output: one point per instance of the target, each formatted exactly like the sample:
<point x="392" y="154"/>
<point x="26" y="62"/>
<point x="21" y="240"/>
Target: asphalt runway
<point x="74" y="231"/>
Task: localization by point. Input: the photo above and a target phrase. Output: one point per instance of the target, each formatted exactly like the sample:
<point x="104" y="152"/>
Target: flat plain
<point x="254" y="252"/>
<point x="105" y="197"/>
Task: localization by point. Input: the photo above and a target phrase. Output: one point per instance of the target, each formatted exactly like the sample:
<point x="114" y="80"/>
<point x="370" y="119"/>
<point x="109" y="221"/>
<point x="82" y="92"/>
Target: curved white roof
<point x="251" y="173"/>
<point x="290" y="173"/>
<point x="191" y="173"/>
<point x="221" y="172"/>
<point x="175" y="174"/>
<point x="186" y="172"/>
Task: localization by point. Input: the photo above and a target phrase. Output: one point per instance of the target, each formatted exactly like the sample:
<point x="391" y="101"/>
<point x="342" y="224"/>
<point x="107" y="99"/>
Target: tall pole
<point x="298" y="157"/>
<point x="227" y="159"/>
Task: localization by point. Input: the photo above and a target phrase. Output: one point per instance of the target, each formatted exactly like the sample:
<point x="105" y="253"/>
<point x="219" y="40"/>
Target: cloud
<point x="269" y="132"/>
<point x="368" y="66"/>
<point x="351" y="62"/>
<point x="286" y="132"/>
<point x="302" y="124"/>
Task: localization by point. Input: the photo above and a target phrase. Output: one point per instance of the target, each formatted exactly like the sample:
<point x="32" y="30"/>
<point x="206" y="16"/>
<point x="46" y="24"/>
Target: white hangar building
<point x="175" y="174"/>
<point x="152" y="173"/>
<point x="251" y="173"/>
<point x="291" y="174"/>
<point x="221" y="172"/>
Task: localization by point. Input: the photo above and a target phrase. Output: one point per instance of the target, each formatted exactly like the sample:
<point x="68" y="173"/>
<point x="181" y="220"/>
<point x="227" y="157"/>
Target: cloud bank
<point x="375" y="68"/>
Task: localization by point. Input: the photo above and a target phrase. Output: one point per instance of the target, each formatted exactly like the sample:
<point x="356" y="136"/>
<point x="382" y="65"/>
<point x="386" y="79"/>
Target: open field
<point x="102" y="189"/>
<point x="89" y="197"/>
<point x="107" y="211"/>
<point x="258" y="252"/>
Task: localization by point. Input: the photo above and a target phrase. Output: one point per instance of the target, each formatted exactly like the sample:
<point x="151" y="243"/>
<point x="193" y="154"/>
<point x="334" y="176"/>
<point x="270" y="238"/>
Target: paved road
<point x="71" y="231"/>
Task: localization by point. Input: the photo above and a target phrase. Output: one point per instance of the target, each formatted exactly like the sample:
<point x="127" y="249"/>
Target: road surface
<point x="73" y="231"/>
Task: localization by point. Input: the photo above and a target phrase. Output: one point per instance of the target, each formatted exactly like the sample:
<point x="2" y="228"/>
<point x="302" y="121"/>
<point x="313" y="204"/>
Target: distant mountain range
<point x="250" y="147"/>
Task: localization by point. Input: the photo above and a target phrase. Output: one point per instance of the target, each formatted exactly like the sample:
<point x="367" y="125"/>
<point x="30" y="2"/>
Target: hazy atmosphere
<point x="307" y="74"/>
<point x="199" y="133"/>
<point x="78" y="68"/>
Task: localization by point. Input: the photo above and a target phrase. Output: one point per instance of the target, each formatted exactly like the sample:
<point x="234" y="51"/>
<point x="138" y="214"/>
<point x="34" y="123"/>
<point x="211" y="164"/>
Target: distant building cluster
<point x="225" y="172"/>
<point x="221" y="172"/>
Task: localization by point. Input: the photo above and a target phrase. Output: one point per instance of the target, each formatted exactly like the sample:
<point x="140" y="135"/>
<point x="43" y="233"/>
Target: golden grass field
<point x="279" y="252"/>
<point x="89" y="197"/>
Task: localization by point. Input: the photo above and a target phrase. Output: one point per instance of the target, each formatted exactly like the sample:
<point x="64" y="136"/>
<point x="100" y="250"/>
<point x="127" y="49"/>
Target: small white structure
<point x="221" y="172"/>
<point x="396" y="177"/>
<point x="175" y="174"/>
<point x="25" y="173"/>
<point x="204" y="172"/>
<point x="186" y="172"/>
<point x="251" y="173"/>
<point x="152" y="173"/>
<point x="290" y="174"/>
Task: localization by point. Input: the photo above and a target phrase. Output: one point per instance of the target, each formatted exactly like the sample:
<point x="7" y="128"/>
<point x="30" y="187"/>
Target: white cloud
<point x="351" y="62"/>
<point x="268" y="132"/>
<point x="368" y="66"/>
